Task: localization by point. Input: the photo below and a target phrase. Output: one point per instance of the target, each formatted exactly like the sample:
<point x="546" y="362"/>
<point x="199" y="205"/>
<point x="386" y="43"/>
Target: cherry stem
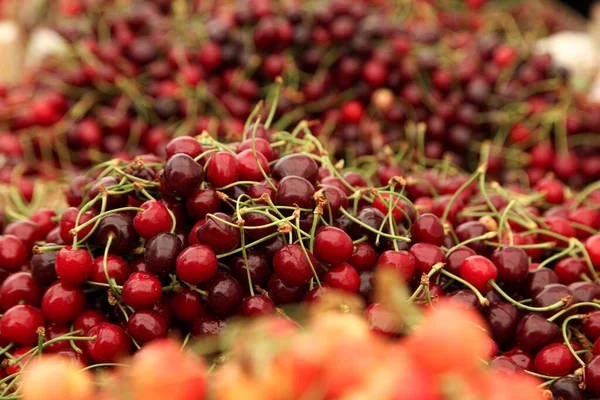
<point x="195" y="289"/>
<point x="551" y="307"/>
<point x="255" y="154"/>
<point x="488" y="235"/>
<point x="566" y="337"/>
<point x="482" y="300"/>
<point x="571" y="307"/>
<point x="104" y="214"/>
<point x="587" y="258"/>
<point x="557" y="255"/>
<point x="112" y="285"/>
<point x="434" y="269"/>
<point x="312" y="267"/>
<point x="480" y="170"/>
<point x="261" y="240"/>
<point x="503" y="219"/>
<point x="278" y="82"/>
<point x="243" y="238"/>
<point x="386" y="235"/>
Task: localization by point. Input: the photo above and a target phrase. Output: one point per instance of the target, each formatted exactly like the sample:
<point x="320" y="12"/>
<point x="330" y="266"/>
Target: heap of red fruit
<point x="178" y="247"/>
<point x="134" y="78"/>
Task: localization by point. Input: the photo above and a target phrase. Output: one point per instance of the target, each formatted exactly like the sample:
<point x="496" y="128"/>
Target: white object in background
<point x="43" y="42"/>
<point x="11" y="52"/>
<point x="575" y="51"/>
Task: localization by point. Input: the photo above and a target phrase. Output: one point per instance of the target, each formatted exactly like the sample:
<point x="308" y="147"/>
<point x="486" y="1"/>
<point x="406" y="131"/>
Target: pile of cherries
<point x="178" y="246"/>
<point x="135" y="78"/>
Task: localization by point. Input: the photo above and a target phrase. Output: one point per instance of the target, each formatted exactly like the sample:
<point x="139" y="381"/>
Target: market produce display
<point x="350" y="200"/>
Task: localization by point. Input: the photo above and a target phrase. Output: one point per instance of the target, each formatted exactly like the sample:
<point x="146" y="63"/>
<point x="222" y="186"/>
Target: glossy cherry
<point x="187" y="306"/>
<point x="111" y="343"/>
<point x="344" y="277"/>
<point x="20" y="324"/>
<point x="426" y="255"/>
<point x="456" y="258"/>
<point x="88" y="319"/>
<point x="20" y="288"/>
<point x="281" y="293"/>
<point x="73" y="267"/>
<point x="257" y="305"/>
<point x="13" y="252"/>
<point x="256" y="264"/>
<point x="294" y="265"/>
<point x="299" y="165"/>
<point x="428" y="229"/>
<point x="250" y="167"/>
<point x="402" y="262"/>
<point x="183" y="175"/>
<point x="332" y="245"/>
<point x="62" y="304"/>
<point x="202" y="202"/>
<point x="218" y="235"/>
<point x="478" y="271"/>
<point x="534" y="332"/>
<point x="225" y="294"/>
<point x="503" y="319"/>
<point x="116" y="267"/>
<point x="161" y="253"/>
<point x="222" y="169"/>
<point x="512" y="264"/>
<point x="197" y="263"/>
<point x="153" y="220"/>
<point x="554" y="360"/>
<point x="141" y="290"/>
<point x="363" y="257"/>
<point x="146" y="325"/>
<point x="295" y="190"/>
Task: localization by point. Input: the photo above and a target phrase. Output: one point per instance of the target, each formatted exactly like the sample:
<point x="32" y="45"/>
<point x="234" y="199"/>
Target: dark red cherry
<point x="566" y="388"/>
<point x="208" y="326"/>
<point x="119" y="227"/>
<point x="225" y="294"/>
<point x="202" y="202"/>
<point x="426" y="256"/>
<point x="584" y="292"/>
<point x="512" y="264"/>
<point x="263" y="188"/>
<point x="552" y="294"/>
<point x="428" y="229"/>
<point x="28" y="231"/>
<point x="504" y="365"/>
<point x="52" y="332"/>
<point x="146" y="325"/>
<point x="294" y="265"/>
<point x="569" y="270"/>
<point x="371" y="217"/>
<point x="62" y="303"/>
<point x="332" y="245"/>
<point x="42" y="267"/>
<point x="13" y="253"/>
<point x="108" y="184"/>
<point x="253" y="219"/>
<point x="153" y="220"/>
<point x="299" y="165"/>
<point x="257" y="305"/>
<point x="187" y="305"/>
<point x="256" y="264"/>
<point x="281" y="293"/>
<point x="538" y="279"/>
<point x="111" y="343"/>
<point x="456" y="258"/>
<point x="20" y="324"/>
<point x="503" y="319"/>
<point x="161" y="253"/>
<point x="520" y="357"/>
<point x="197" y="263"/>
<point x="534" y="332"/>
<point x="343" y="277"/>
<point x="183" y="175"/>
<point x="363" y="257"/>
<point x="183" y="144"/>
<point x="218" y="235"/>
<point x="73" y="267"/>
<point x="19" y="288"/>
<point x="469" y="230"/>
<point x="336" y="199"/>
<point x="591" y="325"/>
<point x="87" y="320"/>
<point x="116" y="268"/>
<point x="141" y="290"/>
<point x="295" y="190"/>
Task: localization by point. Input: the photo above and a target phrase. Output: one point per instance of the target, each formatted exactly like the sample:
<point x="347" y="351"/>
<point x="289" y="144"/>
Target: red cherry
<point x="146" y="325"/>
<point x="428" y="228"/>
<point x="249" y="167"/>
<point x="364" y="257"/>
<point x="555" y="359"/>
<point x="570" y="269"/>
<point x="45" y="219"/>
<point x="222" y="169"/>
<point x="586" y="217"/>
<point x="20" y="324"/>
<point x="13" y="253"/>
<point x="554" y="190"/>
<point x="62" y="304"/>
<point x="344" y="277"/>
<point x="183" y="144"/>
<point x="332" y="245"/>
<point x="117" y="268"/>
<point x="153" y="220"/>
<point x="397" y="206"/>
<point x="197" y="263"/>
<point x="73" y="267"/>
<point x="293" y="266"/>
<point x="13" y="369"/>
<point x="20" y="288"/>
<point x="260" y="145"/>
<point x="402" y="262"/>
<point x="67" y="223"/>
<point x="478" y="271"/>
<point x="426" y="255"/>
<point x="352" y="111"/>
<point x="111" y="343"/>
<point x="187" y="306"/>
<point x="592" y="246"/>
<point x="52" y="332"/>
<point x="87" y="320"/>
<point x="257" y="305"/>
<point x="141" y="290"/>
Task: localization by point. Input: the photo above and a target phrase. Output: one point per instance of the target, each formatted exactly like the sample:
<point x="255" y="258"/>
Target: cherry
<point x="566" y="388"/>
<point x="382" y="321"/>
<point x="219" y="236"/>
<point x="183" y="144"/>
<point x="552" y="294"/>
<point x="512" y="264"/>
<point x="42" y="267"/>
<point x="534" y="332"/>
<point x="503" y="319"/>
<point x="111" y="343"/>
<point x="161" y="253"/>
<point x="553" y="188"/>
<point x="225" y="294"/>
<point x="116" y="267"/>
<point x="370" y="217"/>
<point x="222" y="169"/>
<point x="569" y="270"/>
<point x="538" y="279"/>
<point x="260" y="145"/>
<point x="13" y="252"/>
<point x="146" y="325"/>
<point x="344" y="277"/>
<point x="210" y="55"/>
<point x="504" y="365"/>
<point x="20" y="352"/>
<point x="363" y="257"/>
<point x="19" y="288"/>
<point x="294" y="265"/>
<point x="397" y="206"/>
<point x="88" y="319"/>
<point x="153" y="220"/>
<point x="196" y="264"/>
<point x="62" y="304"/>
<point x="584" y="292"/>
<point x="141" y="290"/>
<point x="20" y="324"/>
<point x="299" y="165"/>
<point x="187" y="306"/>
<point x="202" y="202"/>
<point x="183" y="175"/>
<point x="257" y="305"/>
<point x="67" y="223"/>
<point x="456" y="258"/>
<point x="257" y="190"/>
<point x="53" y="331"/>
<point x="113" y="201"/>
<point x="592" y="246"/>
<point x="256" y="263"/>
<point x="119" y="227"/>
<point x="402" y="262"/>
<point x="520" y="357"/>
<point x="426" y="255"/>
<point x="73" y="267"/>
<point x="249" y="165"/>
<point x="44" y="218"/>
<point x="560" y="226"/>
<point x="591" y="325"/>
<point x="208" y="326"/>
<point x="332" y="245"/>
<point x="352" y="111"/>
<point x="469" y="230"/>
<point x="428" y="229"/>
<point x="478" y="271"/>
<point x="555" y="360"/>
<point x="295" y="190"/>
<point x="281" y="293"/>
